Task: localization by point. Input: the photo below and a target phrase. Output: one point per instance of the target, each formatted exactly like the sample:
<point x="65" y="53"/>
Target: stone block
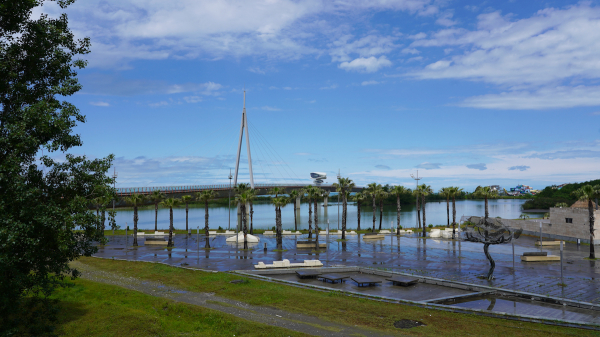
<point x="550" y="258"/>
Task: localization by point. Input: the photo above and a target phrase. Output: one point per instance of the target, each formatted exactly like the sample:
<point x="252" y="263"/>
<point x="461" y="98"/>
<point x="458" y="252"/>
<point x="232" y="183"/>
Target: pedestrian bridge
<point x="222" y="190"/>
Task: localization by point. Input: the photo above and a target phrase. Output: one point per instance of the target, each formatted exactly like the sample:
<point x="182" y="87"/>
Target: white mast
<point x="237" y="163"/>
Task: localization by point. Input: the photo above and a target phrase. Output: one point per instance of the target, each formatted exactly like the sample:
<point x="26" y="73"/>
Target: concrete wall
<point x="556" y="227"/>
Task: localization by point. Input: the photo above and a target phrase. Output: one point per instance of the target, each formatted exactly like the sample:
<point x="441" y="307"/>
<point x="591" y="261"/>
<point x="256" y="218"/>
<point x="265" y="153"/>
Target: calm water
<point x="264" y="215"/>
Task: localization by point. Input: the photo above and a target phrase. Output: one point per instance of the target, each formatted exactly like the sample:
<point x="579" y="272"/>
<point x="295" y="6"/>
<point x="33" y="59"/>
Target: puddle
<point x="519" y="306"/>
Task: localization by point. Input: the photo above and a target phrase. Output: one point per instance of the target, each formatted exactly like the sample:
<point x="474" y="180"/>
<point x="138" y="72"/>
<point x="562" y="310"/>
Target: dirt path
<point x="266" y="315"/>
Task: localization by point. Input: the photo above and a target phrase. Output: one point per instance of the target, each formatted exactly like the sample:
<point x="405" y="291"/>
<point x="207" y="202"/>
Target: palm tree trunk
<point x="186" y="217"/>
<point x="374" y="216"/>
<point x="380" y="212"/>
<point x="156" y="216"/>
<point x="448" y="210"/>
<point x="487" y="214"/>
<point x="295" y="219"/>
<point x="309" y="218"/>
<point x="398" y="215"/>
<point x="251" y="218"/>
<point x="418" y="212"/>
<point x="344" y="210"/>
<point x="278" y="224"/>
<point x="424" y="219"/>
<point x="358" y="211"/>
<point x="206" y="237"/>
<point x="316" y="220"/>
<point x="245" y="228"/>
<point x="135" y="220"/>
<point x="592" y="220"/>
<point x="453" y="216"/>
<point x="170" y="243"/>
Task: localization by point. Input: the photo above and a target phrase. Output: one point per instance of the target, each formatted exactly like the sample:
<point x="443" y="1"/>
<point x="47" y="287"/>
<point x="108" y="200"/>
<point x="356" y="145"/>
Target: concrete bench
<point x="435" y="233"/>
<point x="384" y="231"/>
<point x="333" y="278"/>
<point x="549" y="258"/>
<point x="286" y="264"/>
<point x="364" y="279"/>
<point x="373" y="236"/>
<point x="240" y="237"/>
<point x="307" y="273"/>
<point x="156" y="241"/>
<point x="403" y="280"/>
<point x="549" y="243"/>
<point x="269" y="233"/>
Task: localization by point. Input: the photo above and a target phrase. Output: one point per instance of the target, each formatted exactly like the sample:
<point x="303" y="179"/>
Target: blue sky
<point x="467" y="92"/>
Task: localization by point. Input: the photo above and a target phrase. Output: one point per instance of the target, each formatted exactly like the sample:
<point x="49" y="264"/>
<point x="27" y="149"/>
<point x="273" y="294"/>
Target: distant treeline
<point x="551" y="195"/>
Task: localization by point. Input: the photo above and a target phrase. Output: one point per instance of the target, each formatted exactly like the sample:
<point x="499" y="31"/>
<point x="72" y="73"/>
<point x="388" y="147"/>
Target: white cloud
<point x="286" y="88"/>
<point x="124" y="30"/>
<point x="100" y="103"/>
<point x="446" y="20"/>
<point x="544" y="98"/>
<point x="333" y="86"/>
<point x="270" y="108"/>
<point x="415" y="59"/>
<point x="552" y="46"/>
<point x="369" y="83"/>
<point x="157" y="104"/>
<point x="367" y="65"/>
<point x="418" y="36"/>
<point x="370" y="45"/>
<point x="429" y="166"/>
<point x="192" y="99"/>
<point x="256" y="70"/>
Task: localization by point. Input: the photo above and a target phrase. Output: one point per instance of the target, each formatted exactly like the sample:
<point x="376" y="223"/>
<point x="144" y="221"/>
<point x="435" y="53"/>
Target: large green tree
<point x="45" y="190"/>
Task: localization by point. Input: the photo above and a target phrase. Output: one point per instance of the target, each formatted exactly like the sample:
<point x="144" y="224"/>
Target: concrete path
<point x="266" y="315"/>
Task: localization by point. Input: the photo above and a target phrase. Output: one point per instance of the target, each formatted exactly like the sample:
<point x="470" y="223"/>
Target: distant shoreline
<point x="536" y="211"/>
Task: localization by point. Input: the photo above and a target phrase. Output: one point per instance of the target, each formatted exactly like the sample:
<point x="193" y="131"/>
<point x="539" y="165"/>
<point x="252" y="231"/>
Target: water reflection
<point x="263" y="215"/>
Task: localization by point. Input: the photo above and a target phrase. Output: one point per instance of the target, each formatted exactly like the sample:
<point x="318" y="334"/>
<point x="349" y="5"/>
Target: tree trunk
<point x="103" y="221"/>
<point x="344" y="210"/>
<point x="251" y="218"/>
<point x="295" y="219"/>
<point x="135" y="221"/>
<point x="418" y="212"/>
<point x="309" y="218"/>
<point x="424" y="219"/>
<point x="170" y="243"/>
<point x="358" y="211"/>
<point x="278" y="227"/>
<point x="206" y="237"/>
<point x="316" y="220"/>
<point x="492" y="263"/>
<point x="487" y="214"/>
<point x="448" y="210"/>
<point x="398" y="215"/>
<point x="186" y="217"/>
<point x="244" y="226"/>
<point x="156" y="216"/>
<point x="592" y="220"/>
<point x="453" y="217"/>
<point x="374" y="216"/>
<point x="380" y="212"/>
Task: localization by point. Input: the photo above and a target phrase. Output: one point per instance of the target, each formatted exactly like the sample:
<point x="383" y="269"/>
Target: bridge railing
<point x="191" y="188"/>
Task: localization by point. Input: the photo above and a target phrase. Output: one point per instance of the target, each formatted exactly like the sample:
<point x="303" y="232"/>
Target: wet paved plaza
<point x="440" y="258"/>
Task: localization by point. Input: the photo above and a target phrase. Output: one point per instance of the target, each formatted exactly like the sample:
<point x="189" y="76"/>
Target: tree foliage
<point x="44" y="217"/>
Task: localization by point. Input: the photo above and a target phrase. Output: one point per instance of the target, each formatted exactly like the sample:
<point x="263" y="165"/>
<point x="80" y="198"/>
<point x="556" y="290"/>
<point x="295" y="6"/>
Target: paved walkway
<point x="441" y="258"/>
<point x="266" y="315"/>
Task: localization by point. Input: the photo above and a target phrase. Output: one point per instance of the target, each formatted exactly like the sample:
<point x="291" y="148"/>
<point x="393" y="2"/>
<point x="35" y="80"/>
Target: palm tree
<point x="344" y="186"/>
<point x="135" y="200"/>
<point x="417" y="194"/>
<point x="317" y="194"/>
<point x="186" y="199"/>
<point x="277" y="191"/>
<point x="279" y="202"/>
<point x="309" y="190"/>
<point x="251" y="197"/>
<point x="398" y="190"/>
<point x="425" y="191"/>
<point x="242" y="199"/>
<point x="359" y="197"/>
<point x="170" y="202"/>
<point x="589" y="192"/>
<point x="372" y="189"/>
<point x="485" y="193"/>
<point x="454" y="192"/>
<point x="206" y="196"/>
<point x="294" y="194"/>
<point x="381" y="195"/>
<point x="445" y="192"/>
<point x="156" y="197"/>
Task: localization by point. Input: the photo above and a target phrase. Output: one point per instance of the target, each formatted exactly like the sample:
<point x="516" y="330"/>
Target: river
<point x="264" y="215"/>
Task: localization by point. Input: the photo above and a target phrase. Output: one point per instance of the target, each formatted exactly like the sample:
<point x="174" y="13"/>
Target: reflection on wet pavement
<point x="441" y="258"/>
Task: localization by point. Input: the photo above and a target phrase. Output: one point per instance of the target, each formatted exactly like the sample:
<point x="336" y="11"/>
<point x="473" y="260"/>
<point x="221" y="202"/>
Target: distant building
<point x="318" y="177"/>
<point x="520" y="190"/>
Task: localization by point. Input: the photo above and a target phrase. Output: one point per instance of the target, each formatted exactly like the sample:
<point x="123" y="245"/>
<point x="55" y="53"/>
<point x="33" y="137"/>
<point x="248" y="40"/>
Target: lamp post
<point x="338" y="200"/>
<point x="229" y="208"/>
<point x="417" y="204"/>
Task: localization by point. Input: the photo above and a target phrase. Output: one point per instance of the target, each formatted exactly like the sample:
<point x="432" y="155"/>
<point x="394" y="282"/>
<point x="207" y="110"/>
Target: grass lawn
<point x="96" y="309"/>
<point x="332" y="306"/>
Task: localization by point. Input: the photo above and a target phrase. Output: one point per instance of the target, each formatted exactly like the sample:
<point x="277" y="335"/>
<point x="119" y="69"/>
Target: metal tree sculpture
<point x="491" y="232"/>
